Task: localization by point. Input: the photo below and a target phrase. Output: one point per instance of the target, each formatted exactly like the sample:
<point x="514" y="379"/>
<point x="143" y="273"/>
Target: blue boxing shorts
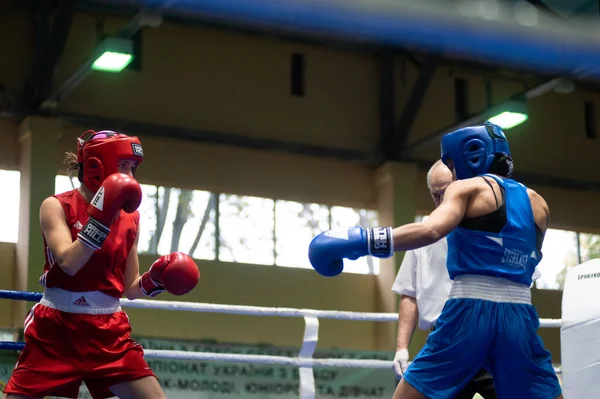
<point x="472" y="334"/>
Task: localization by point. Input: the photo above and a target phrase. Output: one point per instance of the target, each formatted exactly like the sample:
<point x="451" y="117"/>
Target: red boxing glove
<point x="118" y="191"/>
<point x="151" y="283"/>
<point x="177" y="273"/>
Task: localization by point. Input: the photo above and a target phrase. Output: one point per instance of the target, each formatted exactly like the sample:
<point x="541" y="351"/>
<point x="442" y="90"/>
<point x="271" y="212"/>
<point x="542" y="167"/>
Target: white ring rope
<point x="266" y="359"/>
<point x="278" y="312"/>
<point x="278" y="360"/>
<point x="304" y="361"/>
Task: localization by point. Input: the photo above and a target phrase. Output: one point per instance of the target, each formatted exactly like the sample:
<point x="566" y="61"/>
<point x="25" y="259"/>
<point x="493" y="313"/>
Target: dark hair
<point x="503" y="165"/>
<point x="73" y="166"/>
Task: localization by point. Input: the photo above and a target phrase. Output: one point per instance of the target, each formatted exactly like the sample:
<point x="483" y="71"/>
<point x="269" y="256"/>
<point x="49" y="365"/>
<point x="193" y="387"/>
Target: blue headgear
<point x="472" y="149"/>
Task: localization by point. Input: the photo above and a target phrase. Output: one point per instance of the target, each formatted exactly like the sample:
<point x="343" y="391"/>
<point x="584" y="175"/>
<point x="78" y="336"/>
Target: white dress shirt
<point x="423" y="275"/>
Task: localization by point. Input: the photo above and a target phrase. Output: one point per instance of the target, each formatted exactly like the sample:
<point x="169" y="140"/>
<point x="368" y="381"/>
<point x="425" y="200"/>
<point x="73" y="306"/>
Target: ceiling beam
<point x="234" y="140"/>
<point x="42" y="12"/>
<point x="360" y="157"/>
<point x="387" y="101"/>
<point x="413" y="104"/>
<point x="480" y="118"/>
<point x="50" y="41"/>
<point x="532" y="179"/>
<point x="545" y="8"/>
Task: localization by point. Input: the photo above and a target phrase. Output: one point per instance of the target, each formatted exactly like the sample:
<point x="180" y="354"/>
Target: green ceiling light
<point x="113" y="54"/>
<point x="507" y="120"/>
<point x="509" y="115"/>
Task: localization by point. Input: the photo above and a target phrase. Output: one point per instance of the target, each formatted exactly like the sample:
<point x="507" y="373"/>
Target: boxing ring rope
<point x="304" y="361"/>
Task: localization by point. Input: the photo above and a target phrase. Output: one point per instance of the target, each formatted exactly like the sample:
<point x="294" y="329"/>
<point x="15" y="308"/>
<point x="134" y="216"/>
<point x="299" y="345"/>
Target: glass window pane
<point x="64" y="183"/>
<point x="169" y="211"/>
<point x="185" y="213"/>
<point x="10" y="181"/>
<point x="296" y="225"/>
<point x="559" y="252"/>
<point x="147" y="219"/>
<point x="246" y="227"/>
<point x="421" y="218"/>
<point x="180" y="221"/>
<point x="342" y="217"/>
<point x="590" y="246"/>
<point x="198" y="237"/>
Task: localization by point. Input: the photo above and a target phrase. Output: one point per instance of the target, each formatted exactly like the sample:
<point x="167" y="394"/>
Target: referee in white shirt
<point x="424" y="285"/>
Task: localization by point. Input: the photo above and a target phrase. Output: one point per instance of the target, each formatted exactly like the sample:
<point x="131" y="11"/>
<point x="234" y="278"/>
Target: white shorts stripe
<point x="29" y="318"/>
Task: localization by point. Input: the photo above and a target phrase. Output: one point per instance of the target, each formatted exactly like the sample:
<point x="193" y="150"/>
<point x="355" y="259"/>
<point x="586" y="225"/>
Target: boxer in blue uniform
<point x="495" y="228"/>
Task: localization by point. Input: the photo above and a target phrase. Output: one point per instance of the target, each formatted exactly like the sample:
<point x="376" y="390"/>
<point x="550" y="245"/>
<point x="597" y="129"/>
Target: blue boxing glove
<point x="327" y="251"/>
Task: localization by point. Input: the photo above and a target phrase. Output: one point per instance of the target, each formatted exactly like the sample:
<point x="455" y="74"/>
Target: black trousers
<point x="482" y="384"/>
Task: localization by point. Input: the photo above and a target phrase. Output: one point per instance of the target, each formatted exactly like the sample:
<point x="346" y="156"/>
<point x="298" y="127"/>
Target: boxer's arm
<point x="406" y="286"/>
<point x="69" y="255"/>
<point x="132" y="272"/>
<point x="408" y="315"/>
<point x="440" y="222"/>
<point x="541" y="211"/>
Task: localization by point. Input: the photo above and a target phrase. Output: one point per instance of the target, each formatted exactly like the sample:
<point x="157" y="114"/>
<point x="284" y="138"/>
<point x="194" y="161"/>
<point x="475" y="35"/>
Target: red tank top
<point x="104" y="271"/>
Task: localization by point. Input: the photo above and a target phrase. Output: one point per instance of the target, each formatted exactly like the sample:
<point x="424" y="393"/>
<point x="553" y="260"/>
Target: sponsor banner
<point x="218" y="380"/>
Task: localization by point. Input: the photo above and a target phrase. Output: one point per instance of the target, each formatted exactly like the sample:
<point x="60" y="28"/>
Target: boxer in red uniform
<point x="78" y="332"/>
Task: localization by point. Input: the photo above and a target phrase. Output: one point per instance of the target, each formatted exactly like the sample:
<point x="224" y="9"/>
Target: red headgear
<point x="99" y="153"/>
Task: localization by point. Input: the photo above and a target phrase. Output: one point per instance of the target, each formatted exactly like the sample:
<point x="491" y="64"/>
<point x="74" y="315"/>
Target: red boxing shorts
<point x="62" y="350"/>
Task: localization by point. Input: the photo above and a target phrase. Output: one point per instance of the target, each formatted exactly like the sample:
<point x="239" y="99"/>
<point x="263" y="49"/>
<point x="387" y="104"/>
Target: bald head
<point x="439" y="178"/>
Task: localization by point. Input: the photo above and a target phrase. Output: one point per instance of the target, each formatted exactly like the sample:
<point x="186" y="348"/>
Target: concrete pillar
<point x="397" y="198"/>
<point x="38" y="146"/>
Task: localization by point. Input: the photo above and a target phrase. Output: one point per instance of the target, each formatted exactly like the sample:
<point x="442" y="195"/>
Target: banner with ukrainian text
<point x="217" y="380"/>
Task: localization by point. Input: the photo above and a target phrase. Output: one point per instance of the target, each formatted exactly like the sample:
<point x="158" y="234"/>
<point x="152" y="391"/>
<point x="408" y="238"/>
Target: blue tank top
<point x="512" y="253"/>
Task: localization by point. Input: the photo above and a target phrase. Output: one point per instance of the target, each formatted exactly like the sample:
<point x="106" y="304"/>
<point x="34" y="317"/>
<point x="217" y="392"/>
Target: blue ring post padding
<point x="15" y="346"/>
<point x="540" y="46"/>
<point x="21" y="295"/>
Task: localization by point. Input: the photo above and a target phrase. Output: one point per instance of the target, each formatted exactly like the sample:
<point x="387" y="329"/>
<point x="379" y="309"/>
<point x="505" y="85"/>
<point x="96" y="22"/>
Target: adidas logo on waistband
<point x="81" y="302"/>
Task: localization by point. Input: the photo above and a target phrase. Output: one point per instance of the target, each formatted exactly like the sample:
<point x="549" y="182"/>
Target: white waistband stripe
<point x="91" y="302"/>
<point x="489" y="288"/>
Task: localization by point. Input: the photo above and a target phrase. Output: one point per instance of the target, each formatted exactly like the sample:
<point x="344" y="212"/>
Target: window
<point x="572" y="249"/>
<point x="10" y="181"/>
<point x="295" y="226"/>
<point x="343" y="217"/>
<point x="559" y="252"/>
<point x="252" y="230"/>
<point x="297" y="75"/>
<point x="421" y="218"/>
<point x="266" y="231"/>
<point x="590" y="120"/>
<point x="589" y="246"/>
<point x="246" y="229"/>
<point x="65" y="183"/>
<point x="173" y="219"/>
<point x="170" y="219"/>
